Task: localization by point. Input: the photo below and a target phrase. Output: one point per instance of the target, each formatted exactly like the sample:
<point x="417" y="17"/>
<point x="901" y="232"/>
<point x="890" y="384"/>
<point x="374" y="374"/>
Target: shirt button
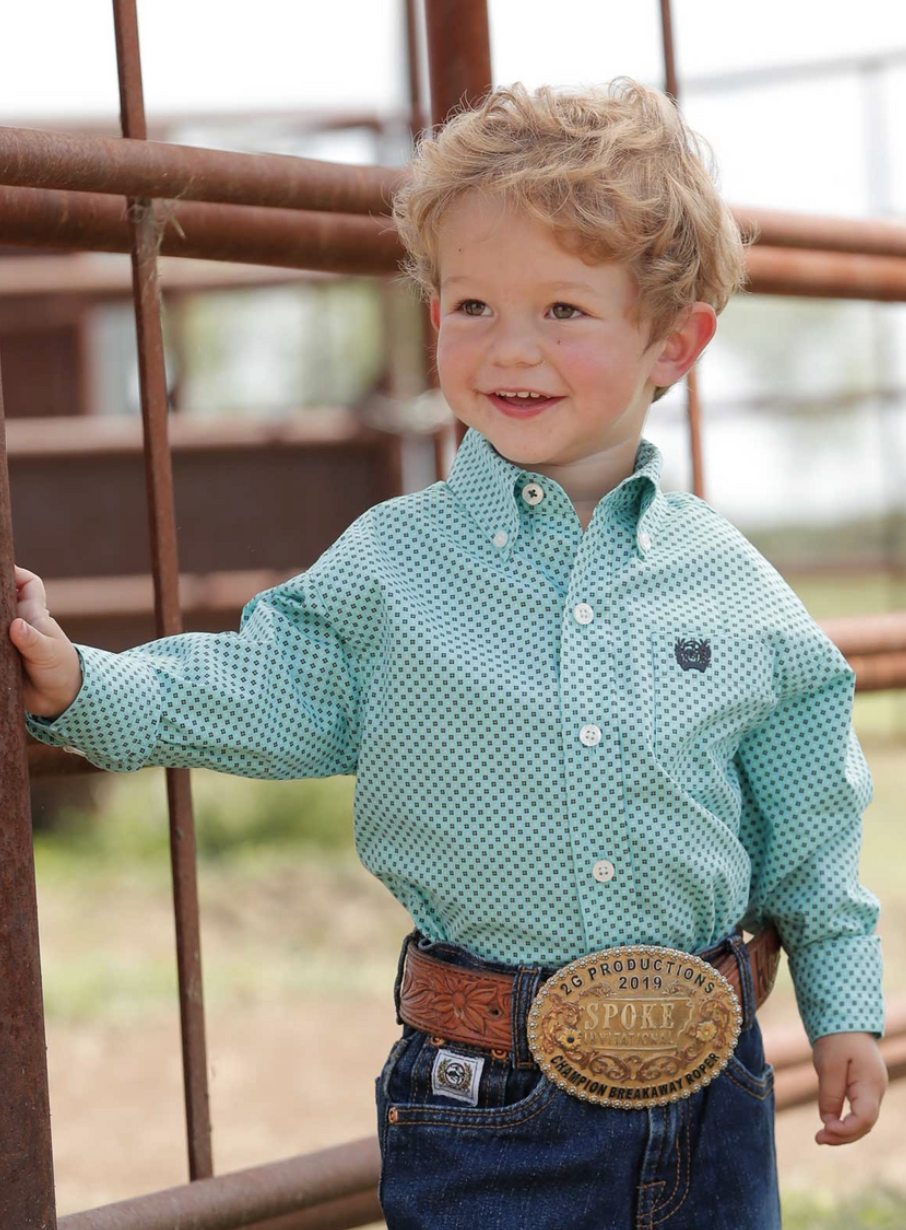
<point x="644" y="540"/>
<point x="583" y="613"/>
<point x="532" y="493"/>
<point x="603" y="870"/>
<point x="590" y="735"/>
<point x="501" y="538"/>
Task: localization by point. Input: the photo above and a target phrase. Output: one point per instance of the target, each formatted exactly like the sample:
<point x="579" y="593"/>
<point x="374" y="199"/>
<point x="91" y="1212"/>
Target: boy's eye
<point x="466" y="305"/>
<point x="569" y="307"/>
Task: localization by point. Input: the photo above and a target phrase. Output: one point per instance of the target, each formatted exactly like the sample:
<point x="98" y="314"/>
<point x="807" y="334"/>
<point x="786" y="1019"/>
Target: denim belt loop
<point x="525" y="986"/>
<point x="738" y="945"/>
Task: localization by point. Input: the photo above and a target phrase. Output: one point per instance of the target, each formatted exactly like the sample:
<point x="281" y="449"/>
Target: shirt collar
<point x="492" y="486"/>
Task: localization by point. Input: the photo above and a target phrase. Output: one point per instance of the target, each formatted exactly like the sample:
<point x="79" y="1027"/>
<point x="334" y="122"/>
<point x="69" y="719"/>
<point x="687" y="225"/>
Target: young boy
<point x="595" y="733"/>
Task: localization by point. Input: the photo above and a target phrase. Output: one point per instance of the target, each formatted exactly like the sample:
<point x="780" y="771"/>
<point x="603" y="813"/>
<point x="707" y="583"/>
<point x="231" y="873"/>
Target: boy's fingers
<point x="831" y="1090"/>
<point x="32" y="632"/>
<point x="865" y="1103"/>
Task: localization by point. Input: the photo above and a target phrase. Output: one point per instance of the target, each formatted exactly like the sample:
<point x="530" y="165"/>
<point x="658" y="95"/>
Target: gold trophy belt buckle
<point x="635" y="1026"/>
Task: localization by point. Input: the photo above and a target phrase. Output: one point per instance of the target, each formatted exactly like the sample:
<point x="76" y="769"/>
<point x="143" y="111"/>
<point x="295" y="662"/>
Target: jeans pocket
<point x="747" y="1065"/>
<point x="445" y="1082"/>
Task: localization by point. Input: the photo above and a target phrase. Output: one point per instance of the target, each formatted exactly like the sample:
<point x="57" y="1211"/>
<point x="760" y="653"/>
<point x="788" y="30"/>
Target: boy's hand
<point x="52" y="675"/>
<point x="850" y="1064"/>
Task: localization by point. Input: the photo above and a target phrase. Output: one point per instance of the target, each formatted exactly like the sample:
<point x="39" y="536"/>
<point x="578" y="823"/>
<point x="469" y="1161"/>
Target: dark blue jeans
<point x="529" y="1155"/>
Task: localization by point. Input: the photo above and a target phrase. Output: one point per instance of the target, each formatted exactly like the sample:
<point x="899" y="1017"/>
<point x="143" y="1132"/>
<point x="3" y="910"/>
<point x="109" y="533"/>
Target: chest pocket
<point x="707" y="685"/>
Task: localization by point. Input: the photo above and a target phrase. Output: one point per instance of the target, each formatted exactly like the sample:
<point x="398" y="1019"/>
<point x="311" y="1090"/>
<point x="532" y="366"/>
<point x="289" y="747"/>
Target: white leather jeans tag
<point x="457" y="1076"/>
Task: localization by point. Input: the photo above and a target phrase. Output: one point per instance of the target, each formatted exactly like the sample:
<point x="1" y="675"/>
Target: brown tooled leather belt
<point x="462" y="1005"/>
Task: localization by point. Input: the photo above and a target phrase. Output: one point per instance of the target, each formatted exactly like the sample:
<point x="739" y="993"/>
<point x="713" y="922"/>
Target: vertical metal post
<point x="168" y="616"/>
<point x="459" y="66"/>
<point x="459" y="54"/>
<point x="693" y="405"/>
<point x="26" y="1153"/>
<point x="417" y="122"/>
<point x="413" y="66"/>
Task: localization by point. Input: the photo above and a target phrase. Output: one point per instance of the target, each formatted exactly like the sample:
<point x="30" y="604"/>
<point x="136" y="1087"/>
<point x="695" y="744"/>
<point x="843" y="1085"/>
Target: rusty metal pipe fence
<point x="66" y="192"/>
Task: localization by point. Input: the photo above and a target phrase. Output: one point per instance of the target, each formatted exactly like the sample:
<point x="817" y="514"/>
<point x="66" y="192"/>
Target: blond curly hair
<point x="614" y="171"/>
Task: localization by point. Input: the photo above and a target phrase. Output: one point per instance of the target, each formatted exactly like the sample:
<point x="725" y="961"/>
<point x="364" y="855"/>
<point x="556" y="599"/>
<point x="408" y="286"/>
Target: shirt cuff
<point x="115" y="717"/>
<point x="838" y="984"/>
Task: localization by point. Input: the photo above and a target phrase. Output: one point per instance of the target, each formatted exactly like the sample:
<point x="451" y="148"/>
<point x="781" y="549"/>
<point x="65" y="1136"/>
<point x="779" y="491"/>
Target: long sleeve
<point x="277" y="699"/>
<point x="804" y="785"/>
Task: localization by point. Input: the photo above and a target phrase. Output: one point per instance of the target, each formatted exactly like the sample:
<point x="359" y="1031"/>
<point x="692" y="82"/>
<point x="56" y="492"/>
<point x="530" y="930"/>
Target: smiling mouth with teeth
<point x="524" y="396"/>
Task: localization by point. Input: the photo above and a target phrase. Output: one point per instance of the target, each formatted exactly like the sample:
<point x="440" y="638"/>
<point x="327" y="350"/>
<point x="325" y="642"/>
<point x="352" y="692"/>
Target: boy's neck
<point x="588" y="479"/>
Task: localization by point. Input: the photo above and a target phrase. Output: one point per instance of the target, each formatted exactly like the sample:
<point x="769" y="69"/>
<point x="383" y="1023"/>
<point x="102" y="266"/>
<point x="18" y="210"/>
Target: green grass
<point x="883" y="1208"/>
<point x="235" y="819"/>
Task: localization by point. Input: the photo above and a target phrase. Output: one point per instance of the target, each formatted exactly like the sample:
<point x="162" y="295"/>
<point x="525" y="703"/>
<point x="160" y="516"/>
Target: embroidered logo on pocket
<point x="457" y="1076"/>
<point x="693" y="654"/>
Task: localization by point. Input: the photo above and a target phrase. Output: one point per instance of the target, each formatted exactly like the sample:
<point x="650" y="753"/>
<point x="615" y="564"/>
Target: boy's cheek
<point x="455" y="356"/>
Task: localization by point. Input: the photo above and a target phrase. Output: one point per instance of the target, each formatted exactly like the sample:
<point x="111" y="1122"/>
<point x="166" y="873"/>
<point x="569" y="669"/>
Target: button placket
<point x="596" y="805"/>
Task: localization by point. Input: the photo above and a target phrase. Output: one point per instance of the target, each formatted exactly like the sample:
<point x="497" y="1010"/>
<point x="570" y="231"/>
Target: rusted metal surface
<point x="41" y="355"/>
<point x="670" y="85"/>
<point x="89" y="222"/>
<point x="246" y="1198"/>
<point x="345" y="243"/>
<point x="296" y="120"/>
<point x="26" y="1156"/>
<point x="459" y="54"/>
<point x="693" y="401"/>
<point x="459" y="69"/>
<point x="416" y="115"/>
<point x="865" y="236"/>
<point x="868" y="634"/>
<point x="826" y="275"/>
<point x="165" y="570"/>
<point x="31" y="157"/>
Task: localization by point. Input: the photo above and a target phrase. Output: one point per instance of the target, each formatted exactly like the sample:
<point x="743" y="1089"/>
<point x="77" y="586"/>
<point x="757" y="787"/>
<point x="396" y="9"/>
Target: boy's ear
<point x="683" y="346"/>
<point x="435" y="312"/>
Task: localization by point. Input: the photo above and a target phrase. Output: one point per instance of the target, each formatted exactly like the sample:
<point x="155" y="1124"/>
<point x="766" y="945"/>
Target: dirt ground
<point x="292" y="1056"/>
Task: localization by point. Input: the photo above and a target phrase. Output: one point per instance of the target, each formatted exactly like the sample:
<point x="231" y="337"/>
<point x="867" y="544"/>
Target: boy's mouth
<point x="518" y="407"/>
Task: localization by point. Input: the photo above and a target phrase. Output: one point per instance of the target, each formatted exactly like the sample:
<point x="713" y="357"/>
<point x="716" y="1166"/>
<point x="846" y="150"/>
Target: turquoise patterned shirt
<point x="562" y="741"/>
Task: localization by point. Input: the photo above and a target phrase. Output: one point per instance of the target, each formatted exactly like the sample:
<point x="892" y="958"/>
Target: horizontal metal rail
<point x="349" y="244"/>
<point x="245" y="1198"/>
<point x="826" y="275"/>
<point x="780" y="228"/>
<point x="292" y="239"/>
<point x="33" y="158"/>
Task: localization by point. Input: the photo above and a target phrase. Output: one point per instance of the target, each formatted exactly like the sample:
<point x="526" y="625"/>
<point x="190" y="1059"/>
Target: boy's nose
<point x="515" y="346"/>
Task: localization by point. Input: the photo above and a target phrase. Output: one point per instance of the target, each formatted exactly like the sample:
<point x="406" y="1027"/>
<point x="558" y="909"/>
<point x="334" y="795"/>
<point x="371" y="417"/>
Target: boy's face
<point x="506" y="321"/>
